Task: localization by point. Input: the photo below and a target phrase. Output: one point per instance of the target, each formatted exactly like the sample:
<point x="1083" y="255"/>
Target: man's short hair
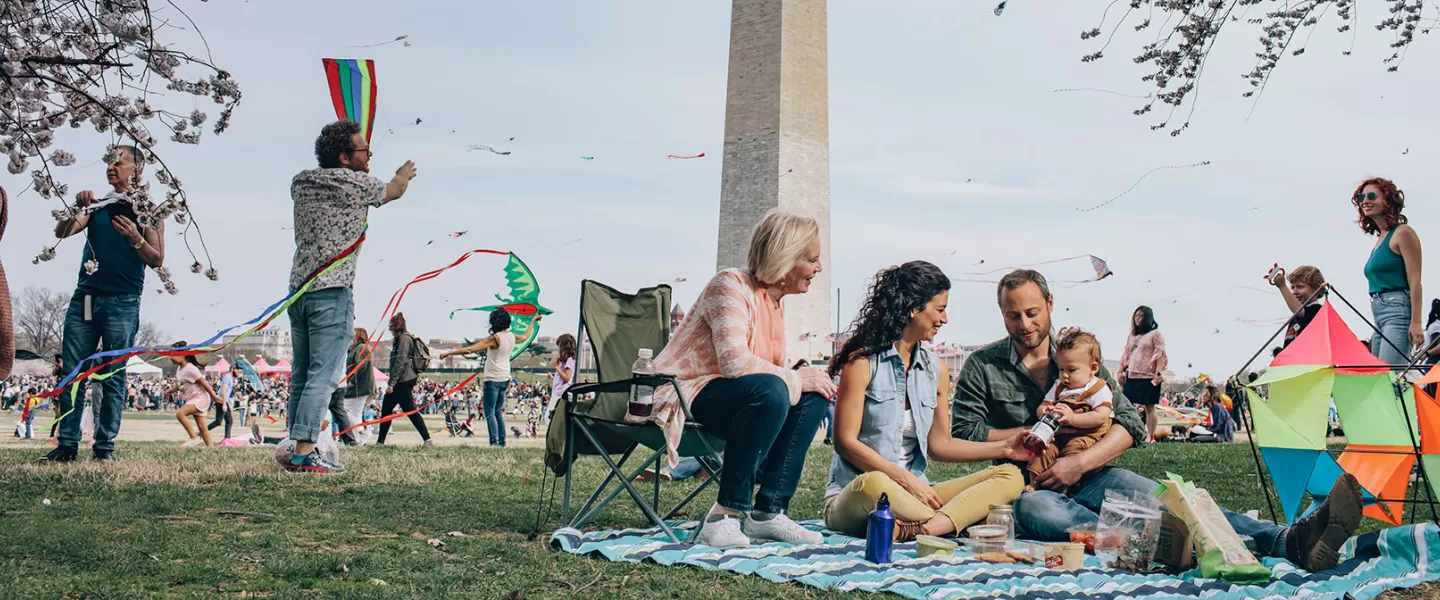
<point x="1020" y="277"/>
<point x="335" y="140"/>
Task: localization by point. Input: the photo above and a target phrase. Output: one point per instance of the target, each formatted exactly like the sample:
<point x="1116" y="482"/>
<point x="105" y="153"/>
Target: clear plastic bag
<point x="1128" y="532"/>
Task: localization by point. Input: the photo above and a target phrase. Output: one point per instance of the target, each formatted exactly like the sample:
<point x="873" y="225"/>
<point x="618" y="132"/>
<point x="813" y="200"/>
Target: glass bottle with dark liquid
<point x="1042" y="433"/>
<point x="642" y="397"/>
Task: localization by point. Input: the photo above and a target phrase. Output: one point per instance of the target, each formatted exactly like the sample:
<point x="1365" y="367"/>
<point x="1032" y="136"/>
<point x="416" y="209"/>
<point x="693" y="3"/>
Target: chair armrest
<point x="623" y="385"/>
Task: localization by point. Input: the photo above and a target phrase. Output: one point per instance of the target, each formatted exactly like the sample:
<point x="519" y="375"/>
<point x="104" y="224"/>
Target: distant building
<point x="271" y="344"/>
<point x="676" y="316"/>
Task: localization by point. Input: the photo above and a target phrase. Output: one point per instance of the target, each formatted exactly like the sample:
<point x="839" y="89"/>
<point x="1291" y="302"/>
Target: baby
<point x="1082" y="398"/>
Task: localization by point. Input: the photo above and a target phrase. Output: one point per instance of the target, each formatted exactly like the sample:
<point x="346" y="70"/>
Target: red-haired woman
<point x="1393" y="271"/>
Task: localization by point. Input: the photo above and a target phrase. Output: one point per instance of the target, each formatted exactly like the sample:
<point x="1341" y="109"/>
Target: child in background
<point x="1083" y="400"/>
<point x="197" y="395"/>
<point x="1303" y="297"/>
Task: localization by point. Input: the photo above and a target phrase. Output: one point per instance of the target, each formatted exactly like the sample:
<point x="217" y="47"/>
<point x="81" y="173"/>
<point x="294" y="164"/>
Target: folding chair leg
<point x="588" y="510"/>
<point x="634" y="493"/>
<point x="683" y="503"/>
<point x="569" y="465"/>
<point x="656" y="479"/>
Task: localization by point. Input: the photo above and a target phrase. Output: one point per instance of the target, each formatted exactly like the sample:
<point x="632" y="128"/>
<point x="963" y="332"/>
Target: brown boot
<point x="1314" y="542"/>
<point x="905" y="531"/>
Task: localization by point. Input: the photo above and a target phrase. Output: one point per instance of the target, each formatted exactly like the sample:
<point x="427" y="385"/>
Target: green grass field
<point x="167" y="522"/>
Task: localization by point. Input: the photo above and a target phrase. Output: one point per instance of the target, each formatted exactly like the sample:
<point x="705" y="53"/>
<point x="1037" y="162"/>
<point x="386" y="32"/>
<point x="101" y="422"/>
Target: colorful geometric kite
<point x="353" y="90"/>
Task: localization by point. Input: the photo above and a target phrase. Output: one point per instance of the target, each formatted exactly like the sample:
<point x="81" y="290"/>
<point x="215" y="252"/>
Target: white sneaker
<point x="192" y="443"/>
<point x="724" y="533"/>
<point x="782" y="529"/>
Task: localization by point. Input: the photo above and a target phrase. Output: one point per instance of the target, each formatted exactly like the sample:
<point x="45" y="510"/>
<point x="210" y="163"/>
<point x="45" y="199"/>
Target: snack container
<point x="1011" y="552"/>
<point x="989" y="538"/>
<point x="1066" y="556"/>
<point x="925" y="545"/>
<point x="1084" y="534"/>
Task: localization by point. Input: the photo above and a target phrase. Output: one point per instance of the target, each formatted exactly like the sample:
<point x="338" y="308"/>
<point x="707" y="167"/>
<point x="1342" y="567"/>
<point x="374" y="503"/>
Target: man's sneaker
<point x="313" y="463"/>
<point x="62" y="454"/>
<point x="782" y="529"/>
<point x="1314" y="542"/>
<point x="104" y="456"/>
<point x="724" y="533"/>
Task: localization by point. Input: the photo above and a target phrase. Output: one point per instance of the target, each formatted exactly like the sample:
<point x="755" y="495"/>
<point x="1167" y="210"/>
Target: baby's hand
<point x="1065" y="413"/>
<point x="1044" y="409"/>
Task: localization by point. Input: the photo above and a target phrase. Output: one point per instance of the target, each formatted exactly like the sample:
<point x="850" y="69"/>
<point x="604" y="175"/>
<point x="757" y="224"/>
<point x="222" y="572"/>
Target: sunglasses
<point x="368" y="152"/>
<point x="1363" y="196"/>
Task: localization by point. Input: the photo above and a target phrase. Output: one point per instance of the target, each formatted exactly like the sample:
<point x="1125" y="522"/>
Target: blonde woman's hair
<point x="779" y="243"/>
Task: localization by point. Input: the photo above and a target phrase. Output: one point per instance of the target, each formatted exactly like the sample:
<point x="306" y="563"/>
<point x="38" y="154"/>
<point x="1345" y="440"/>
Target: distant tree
<point x="536" y="350"/>
<point x="151" y="336"/>
<point x="40" y="319"/>
<point x="1188" y="31"/>
<point x="99" y="63"/>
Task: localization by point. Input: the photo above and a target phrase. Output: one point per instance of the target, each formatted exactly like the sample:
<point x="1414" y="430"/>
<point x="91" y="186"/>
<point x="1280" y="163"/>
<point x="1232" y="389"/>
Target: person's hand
<point x="1417" y="336"/>
<point x="1064" y="473"/>
<point x="813" y="379"/>
<point x="1044" y="407"/>
<point x="1015" y="450"/>
<point x="1157" y="381"/>
<point x="406" y="171"/>
<point x="85" y="198"/>
<point x="920" y="490"/>
<point x="1121" y="379"/>
<point x="1065" y="413"/>
<point x="127" y="229"/>
<point x="1277" y="277"/>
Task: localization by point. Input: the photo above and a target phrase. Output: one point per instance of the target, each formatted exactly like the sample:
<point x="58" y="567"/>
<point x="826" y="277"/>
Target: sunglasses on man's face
<point x="1363" y="196"/>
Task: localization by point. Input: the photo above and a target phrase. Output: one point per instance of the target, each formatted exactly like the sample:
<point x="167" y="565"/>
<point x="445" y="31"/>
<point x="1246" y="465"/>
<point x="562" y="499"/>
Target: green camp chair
<point x="590" y="419"/>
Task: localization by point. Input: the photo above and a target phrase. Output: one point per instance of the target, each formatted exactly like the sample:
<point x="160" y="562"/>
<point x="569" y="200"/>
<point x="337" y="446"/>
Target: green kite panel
<point x="1303" y="402"/>
<point x="1271" y="431"/>
<point x="1274" y="374"/>
<point x="1370" y="412"/>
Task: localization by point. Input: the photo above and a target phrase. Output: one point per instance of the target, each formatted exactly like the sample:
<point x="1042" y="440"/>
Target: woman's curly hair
<point x="896" y="293"/>
<point x="1394" y="200"/>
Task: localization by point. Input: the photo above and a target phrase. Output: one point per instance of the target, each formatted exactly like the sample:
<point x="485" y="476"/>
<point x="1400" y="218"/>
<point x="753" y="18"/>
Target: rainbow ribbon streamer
<point x="353" y="90"/>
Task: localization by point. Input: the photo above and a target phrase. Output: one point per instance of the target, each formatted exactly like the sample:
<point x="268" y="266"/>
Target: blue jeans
<point x="112" y="326"/>
<point x="321" y="325"/>
<point x="688" y="467"/>
<point x="492" y="396"/>
<point x="1044" y="515"/>
<point x="1392" y="317"/>
<point x="829" y="421"/>
<point x="766" y="439"/>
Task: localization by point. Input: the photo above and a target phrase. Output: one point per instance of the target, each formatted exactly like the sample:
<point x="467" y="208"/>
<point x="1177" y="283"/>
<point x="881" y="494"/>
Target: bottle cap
<point x="1000" y="507"/>
<point x="646" y="353"/>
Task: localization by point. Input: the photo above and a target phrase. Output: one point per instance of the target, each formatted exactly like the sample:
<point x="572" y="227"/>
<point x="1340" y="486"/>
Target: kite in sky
<point x="999" y="9"/>
<point x="475" y="147"/>
<point x="1142" y="178"/>
<point x="387" y="43"/>
<point x="353" y="90"/>
<point x="1113" y="93"/>
<point x="1102" y="269"/>
<point x="686" y="157"/>
<point x="459" y="233"/>
<point x="587" y="158"/>
<point x="523" y="303"/>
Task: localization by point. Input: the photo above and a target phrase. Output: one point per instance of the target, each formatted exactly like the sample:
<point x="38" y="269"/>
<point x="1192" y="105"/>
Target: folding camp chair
<point x="616" y="326"/>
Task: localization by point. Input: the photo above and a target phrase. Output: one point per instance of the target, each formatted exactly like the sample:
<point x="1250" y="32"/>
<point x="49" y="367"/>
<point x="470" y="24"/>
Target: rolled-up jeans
<point x="1392" y="318"/>
<point x="766" y="438"/>
<point x="1043" y="515"/>
<point x="110" y="324"/>
<point x="320" y="331"/>
<point x="492" y="396"/>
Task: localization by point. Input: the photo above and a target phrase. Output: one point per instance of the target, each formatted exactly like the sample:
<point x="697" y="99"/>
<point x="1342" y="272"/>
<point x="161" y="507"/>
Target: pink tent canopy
<point x="380" y="377"/>
<point x="219" y="367"/>
<point x="263" y="367"/>
<point x="281" y="367"/>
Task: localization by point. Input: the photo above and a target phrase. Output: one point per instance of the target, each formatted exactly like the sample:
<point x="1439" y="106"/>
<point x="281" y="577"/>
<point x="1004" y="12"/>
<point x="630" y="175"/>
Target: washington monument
<point x="777" y="143"/>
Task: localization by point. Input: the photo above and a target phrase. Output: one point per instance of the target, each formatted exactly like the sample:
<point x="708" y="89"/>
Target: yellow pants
<point x="966" y="500"/>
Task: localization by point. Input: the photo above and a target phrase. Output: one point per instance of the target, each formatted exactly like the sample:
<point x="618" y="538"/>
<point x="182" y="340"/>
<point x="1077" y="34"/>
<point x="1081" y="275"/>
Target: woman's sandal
<point x="907" y="530"/>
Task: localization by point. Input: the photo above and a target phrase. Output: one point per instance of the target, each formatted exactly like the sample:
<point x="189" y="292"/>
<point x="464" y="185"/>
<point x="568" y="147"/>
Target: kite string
<point x="1142" y="178"/>
<point x="1011" y="268"/>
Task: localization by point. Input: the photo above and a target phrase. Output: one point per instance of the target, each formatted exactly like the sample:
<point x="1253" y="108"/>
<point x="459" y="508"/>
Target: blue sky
<point x="946" y="145"/>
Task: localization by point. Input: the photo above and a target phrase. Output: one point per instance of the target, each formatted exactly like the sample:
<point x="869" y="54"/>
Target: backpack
<point x="419" y="355"/>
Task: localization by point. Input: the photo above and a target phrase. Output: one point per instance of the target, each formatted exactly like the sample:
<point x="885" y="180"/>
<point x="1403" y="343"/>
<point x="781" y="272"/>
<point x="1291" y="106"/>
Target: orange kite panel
<point x="1387" y="476"/>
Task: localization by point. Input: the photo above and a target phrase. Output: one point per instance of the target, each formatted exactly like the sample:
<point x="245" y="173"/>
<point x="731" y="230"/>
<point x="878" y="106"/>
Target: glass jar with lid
<point x="1004" y="515"/>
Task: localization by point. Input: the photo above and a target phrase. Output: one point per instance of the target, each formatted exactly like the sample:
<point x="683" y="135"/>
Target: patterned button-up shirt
<point x="331" y="206"/>
<point x="996" y="391"/>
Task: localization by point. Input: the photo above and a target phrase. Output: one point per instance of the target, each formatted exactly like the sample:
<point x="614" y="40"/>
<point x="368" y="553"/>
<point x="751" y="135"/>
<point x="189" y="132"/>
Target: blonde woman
<point x="729" y="357"/>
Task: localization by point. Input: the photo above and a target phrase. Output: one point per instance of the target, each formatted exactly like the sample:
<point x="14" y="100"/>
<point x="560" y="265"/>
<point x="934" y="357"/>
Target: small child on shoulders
<point x="1082" y="398"/>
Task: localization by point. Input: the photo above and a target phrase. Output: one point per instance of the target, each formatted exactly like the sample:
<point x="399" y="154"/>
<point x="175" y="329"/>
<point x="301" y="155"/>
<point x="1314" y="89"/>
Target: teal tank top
<point x="1386" y="269"/>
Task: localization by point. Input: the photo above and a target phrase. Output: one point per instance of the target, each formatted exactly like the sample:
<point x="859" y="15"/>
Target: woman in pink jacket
<point x="1142" y="364"/>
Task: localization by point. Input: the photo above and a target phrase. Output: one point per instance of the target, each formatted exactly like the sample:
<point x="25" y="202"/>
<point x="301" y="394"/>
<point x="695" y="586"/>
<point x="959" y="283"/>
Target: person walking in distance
<point x="401" y="390"/>
<point x="332" y="204"/>
<point x="104" y="311"/>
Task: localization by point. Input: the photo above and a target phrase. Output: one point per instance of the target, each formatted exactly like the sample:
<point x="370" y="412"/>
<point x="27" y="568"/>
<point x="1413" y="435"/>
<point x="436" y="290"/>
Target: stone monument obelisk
<point x="777" y="144"/>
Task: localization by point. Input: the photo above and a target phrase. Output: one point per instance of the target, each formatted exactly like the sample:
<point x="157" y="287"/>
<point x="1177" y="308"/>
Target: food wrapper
<point x="1129" y="531"/>
<point x="1222" y="553"/>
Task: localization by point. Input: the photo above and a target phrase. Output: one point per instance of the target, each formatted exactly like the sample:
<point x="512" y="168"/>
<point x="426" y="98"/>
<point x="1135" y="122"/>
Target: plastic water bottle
<point x="880" y="532"/>
<point x="642" y="397"/>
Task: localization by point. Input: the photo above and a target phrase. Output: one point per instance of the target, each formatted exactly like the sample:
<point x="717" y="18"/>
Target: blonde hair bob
<point x="778" y="243"/>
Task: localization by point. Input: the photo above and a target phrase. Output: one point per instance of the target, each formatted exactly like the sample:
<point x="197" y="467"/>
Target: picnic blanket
<point x="1401" y="557"/>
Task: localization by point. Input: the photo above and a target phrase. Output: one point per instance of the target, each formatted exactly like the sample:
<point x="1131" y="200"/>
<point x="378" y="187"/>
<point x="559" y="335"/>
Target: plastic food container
<point x="1011" y="552"/>
<point x="1084" y="534"/>
<point x="925" y="545"/>
<point x="1068" y="556"/>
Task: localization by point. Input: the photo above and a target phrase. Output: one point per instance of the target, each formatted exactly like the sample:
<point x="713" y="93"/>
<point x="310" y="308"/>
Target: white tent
<point x="139" y="368"/>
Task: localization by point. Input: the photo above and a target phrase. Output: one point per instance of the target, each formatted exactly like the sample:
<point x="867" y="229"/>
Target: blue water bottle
<point x="880" y="533"/>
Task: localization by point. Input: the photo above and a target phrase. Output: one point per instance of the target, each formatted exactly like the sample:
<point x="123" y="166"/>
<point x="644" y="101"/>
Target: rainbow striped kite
<point x="352" y="89"/>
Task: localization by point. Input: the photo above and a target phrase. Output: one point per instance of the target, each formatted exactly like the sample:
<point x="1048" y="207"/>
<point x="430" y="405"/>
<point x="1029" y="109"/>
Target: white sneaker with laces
<point x="192" y="443"/>
<point x="782" y="529"/>
<point x="724" y="533"/>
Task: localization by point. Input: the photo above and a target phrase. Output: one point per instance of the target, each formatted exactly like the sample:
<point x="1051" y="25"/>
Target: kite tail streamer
<point x="387" y="419"/>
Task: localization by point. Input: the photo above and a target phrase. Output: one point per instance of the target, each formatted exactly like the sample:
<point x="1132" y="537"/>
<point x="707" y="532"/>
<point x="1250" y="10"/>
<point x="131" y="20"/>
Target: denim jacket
<point x="882" y="424"/>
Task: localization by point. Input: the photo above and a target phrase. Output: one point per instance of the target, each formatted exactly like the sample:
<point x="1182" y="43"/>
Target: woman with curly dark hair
<point x="1393" y="271"/>
<point x="892" y="415"/>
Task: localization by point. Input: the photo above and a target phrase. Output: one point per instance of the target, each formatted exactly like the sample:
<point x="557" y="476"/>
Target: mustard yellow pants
<point x="966" y="500"/>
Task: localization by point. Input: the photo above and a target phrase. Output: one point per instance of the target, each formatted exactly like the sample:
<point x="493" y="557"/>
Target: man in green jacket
<point x="999" y="390"/>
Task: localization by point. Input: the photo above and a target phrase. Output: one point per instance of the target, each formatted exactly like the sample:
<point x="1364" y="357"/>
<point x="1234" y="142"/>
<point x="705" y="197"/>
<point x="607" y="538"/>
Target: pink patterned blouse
<point x="1144" y="356"/>
<point x="732" y="331"/>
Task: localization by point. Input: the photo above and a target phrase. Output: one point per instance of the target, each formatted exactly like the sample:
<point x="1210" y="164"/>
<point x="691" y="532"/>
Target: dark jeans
<point x="492" y="396"/>
<point x="765" y="438"/>
<point x="112" y="326"/>
<point x="1044" y="515"/>
<point x="339" y="419"/>
<point x="404" y="397"/>
<point x="226" y="413"/>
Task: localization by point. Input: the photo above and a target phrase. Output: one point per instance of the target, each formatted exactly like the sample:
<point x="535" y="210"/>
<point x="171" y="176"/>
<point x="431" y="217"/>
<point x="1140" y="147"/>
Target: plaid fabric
<point x="1401" y="557"/>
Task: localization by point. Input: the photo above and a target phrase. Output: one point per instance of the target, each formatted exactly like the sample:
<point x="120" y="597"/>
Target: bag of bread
<point x="1222" y="554"/>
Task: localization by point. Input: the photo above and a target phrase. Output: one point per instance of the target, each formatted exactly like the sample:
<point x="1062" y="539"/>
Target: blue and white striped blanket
<point x="1401" y="557"/>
